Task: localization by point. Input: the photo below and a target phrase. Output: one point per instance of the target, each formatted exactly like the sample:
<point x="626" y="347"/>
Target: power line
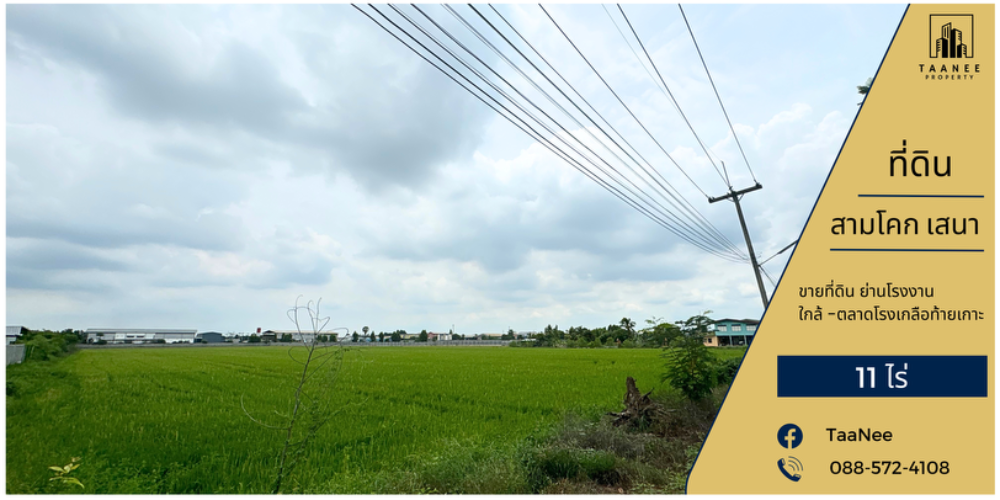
<point x="656" y="83"/>
<point x="780" y="252"/>
<point x="704" y="226"/>
<point x="687" y="205"/>
<point x="534" y="134"/>
<point x="671" y="94"/>
<point x="641" y="62"/>
<point x="769" y="278"/>
<point x="561" y="139"/>
<point x="663" y="210"/>
<point x="606" y="84"/>
<point x="717" y="96"/>
<point x="636" y="118"/>
<point x="549" y="97"/>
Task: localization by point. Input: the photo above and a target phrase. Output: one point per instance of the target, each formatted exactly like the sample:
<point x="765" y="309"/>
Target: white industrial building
<point x="139" y="336"/>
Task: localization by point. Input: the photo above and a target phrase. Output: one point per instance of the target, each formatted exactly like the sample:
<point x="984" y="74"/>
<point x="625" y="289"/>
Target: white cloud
<point x="200" y="166"/>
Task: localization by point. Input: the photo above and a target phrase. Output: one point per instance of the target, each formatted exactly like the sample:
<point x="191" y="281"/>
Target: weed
<point x="62" y="474"/>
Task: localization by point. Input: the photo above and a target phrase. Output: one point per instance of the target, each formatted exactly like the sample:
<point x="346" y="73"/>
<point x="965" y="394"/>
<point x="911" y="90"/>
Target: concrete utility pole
<point x="735" y="196"/>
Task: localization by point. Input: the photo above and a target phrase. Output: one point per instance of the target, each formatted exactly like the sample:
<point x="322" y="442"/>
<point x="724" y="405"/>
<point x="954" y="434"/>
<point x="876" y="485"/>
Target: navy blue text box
<point x="924" y="377"/>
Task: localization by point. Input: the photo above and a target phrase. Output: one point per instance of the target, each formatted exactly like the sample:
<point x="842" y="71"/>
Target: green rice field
<point x="168" y="420"/>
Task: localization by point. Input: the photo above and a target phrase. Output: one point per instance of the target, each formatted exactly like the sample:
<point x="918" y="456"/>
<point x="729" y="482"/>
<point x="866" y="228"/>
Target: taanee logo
<point x="951" y="48"/>
<point x="951" y="36"/>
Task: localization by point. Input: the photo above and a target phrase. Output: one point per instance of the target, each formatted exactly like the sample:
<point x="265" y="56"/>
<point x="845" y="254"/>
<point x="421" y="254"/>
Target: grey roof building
<point x="210" y="337"/>
<point x="13" y="332"/>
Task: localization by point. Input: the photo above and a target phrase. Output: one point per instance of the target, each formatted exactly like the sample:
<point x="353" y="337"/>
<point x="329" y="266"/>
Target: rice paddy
<point x="164" y="420"/>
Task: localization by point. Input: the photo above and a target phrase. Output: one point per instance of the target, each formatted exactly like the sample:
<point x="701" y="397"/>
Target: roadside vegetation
<point x="43" y="345"/>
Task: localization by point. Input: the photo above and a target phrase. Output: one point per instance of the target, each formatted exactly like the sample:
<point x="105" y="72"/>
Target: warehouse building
<point x="140" y="336"/>
<point x="210" y="337"/>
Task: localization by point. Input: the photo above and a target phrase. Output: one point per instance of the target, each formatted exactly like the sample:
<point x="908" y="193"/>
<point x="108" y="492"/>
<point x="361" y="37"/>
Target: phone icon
<point x="794" y="464"/>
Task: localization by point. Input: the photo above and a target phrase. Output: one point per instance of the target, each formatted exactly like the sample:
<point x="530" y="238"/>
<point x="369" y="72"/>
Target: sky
<point x="195" y="166"/>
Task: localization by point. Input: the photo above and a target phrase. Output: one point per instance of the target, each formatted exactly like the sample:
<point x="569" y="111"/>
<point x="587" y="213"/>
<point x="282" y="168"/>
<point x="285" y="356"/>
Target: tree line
<point x="657" y="333"/>
<point x="423" y="336"/>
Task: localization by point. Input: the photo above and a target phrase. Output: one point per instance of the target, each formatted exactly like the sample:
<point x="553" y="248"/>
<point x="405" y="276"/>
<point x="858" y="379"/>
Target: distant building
<point x="711" y="340"/>
<point x="307" y="337"/>
<point x="139" y="335"/>
<point x="732" y="332"/>
<point x="14" y="332"/>
<point x="210" y="337"/>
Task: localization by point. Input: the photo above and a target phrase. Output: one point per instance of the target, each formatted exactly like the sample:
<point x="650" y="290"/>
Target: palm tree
<point x="629" y="326"/>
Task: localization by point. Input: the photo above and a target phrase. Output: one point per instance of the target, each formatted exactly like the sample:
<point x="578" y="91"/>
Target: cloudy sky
<point x="201" y="166"/>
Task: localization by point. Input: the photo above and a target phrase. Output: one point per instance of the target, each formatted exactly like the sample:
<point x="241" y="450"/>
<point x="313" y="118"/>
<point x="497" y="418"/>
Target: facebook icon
<point x="790" y="436"/>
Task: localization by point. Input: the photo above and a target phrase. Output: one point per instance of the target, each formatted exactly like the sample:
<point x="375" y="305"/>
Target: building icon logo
<point x="951" y="36"/>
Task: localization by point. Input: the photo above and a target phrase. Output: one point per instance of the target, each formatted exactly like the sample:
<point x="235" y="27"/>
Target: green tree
<point x="629" y="326"/>
<point x="354" y="337"/>
<point x="696" y="325"/>
<point x="395" y="337"/>
<point x="726" y="369"/>
<point x="863" y="89"/>
<point x="615" y="333"/>
<point x="690" y="368"/>
<point x="43" y="348"/>
<point x="423" y="336"/>
<point x="254" y="339"/>
<point x="580" y="334"/>
<point x="43" y="345"/>
<point x="551" y="336"/>
<point x="660" y="333"/>
<point x="286" y="337"/>
<point x="381" y="336"/>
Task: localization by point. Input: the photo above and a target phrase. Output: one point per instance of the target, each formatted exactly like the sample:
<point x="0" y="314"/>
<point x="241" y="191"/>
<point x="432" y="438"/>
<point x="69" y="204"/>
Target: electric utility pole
<point x="735" y="196"/>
